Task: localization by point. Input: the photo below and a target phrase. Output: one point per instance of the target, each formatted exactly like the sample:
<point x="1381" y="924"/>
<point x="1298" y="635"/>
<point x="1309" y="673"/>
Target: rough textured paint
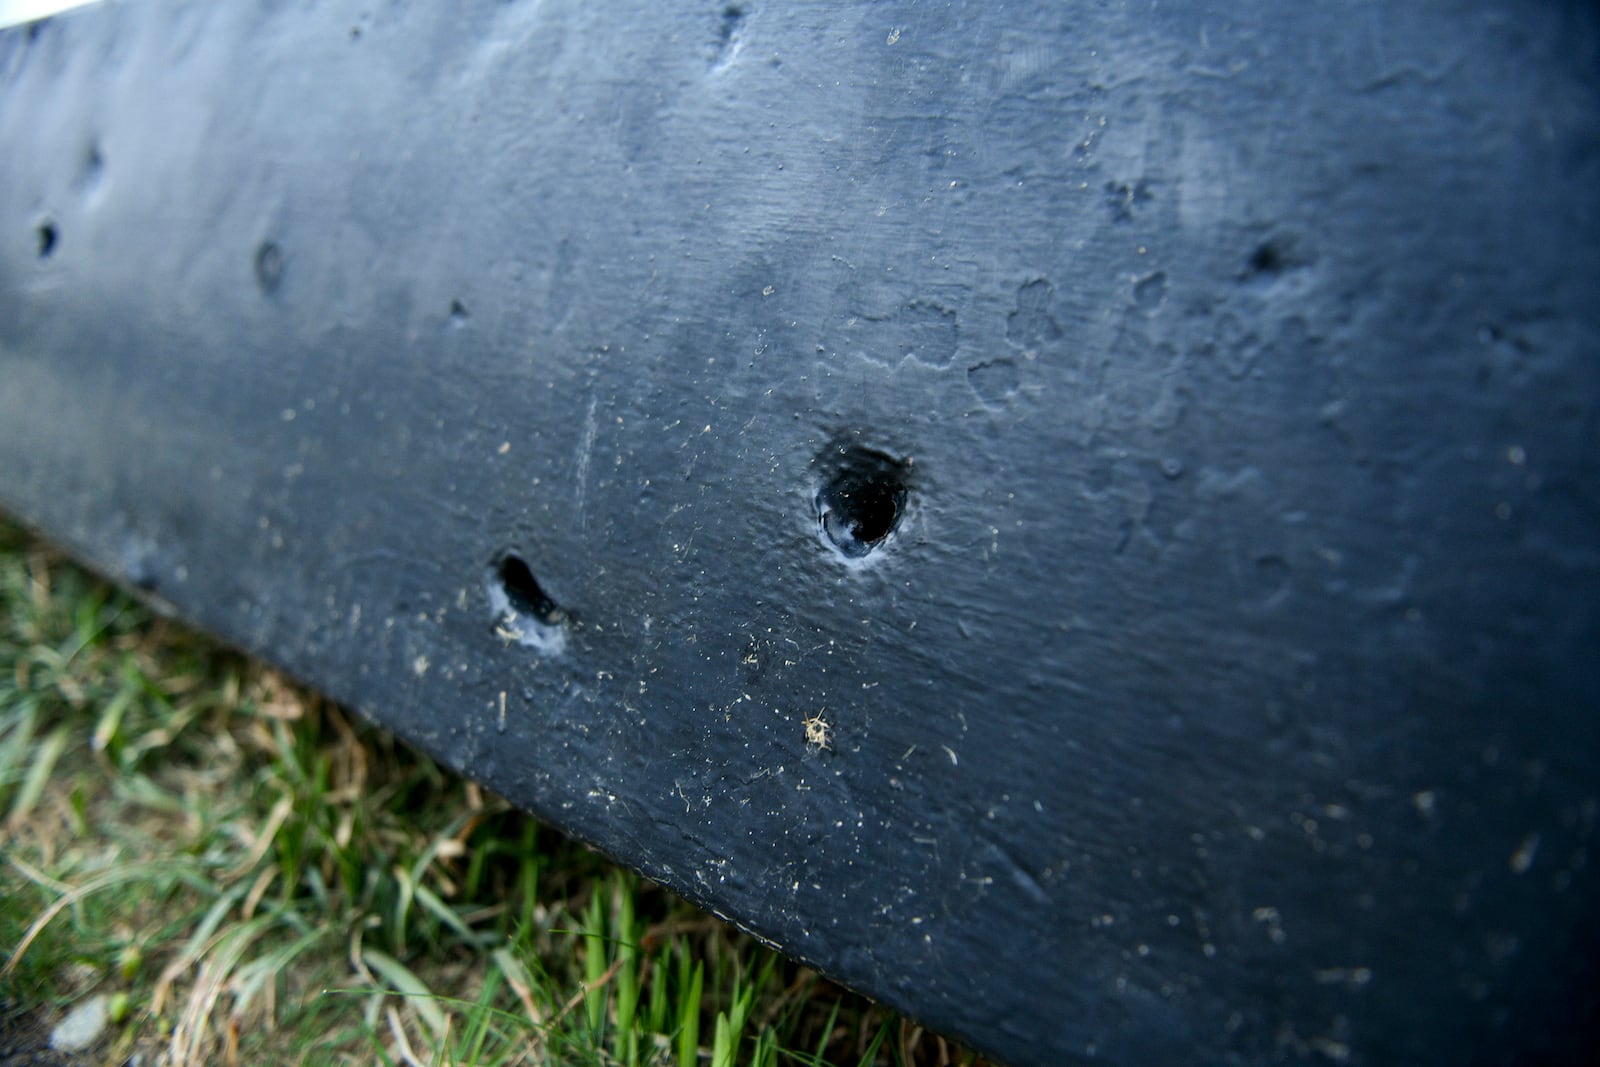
<point x="1211" y="683"/>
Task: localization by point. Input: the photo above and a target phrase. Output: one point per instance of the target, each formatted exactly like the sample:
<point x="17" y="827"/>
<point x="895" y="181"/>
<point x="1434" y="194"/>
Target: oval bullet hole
<point x="862" y="498"/>
<point x="523" y="592"/>
<point x="524" y="613"/>
<point x="47" y="236"/>
<point x="269" y="266"/>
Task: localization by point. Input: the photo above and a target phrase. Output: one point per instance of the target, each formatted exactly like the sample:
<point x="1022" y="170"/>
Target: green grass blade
<point x="827" y="1035"/>
<point x="402" y="981"/>
<point x="723" y="1042"/>
<point x="870" y="1056"/>
<point x="689" y="1017"/>
<point x="624" y="932"/>
<point x="39" y="771"/>
<point x="594" y="964"/>
<point x="434" y="905"/>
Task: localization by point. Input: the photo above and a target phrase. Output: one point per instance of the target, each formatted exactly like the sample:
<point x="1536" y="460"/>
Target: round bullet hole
<point x="861" y="500"/>
<point x="269" y="266"/>
<point x="1274" y="258"/>
<point x="47" y="235"/>
<point x="1266" y="259"/>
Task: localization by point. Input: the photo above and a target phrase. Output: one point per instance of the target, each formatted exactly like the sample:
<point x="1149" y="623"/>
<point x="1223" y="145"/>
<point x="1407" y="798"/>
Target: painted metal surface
<point x="1081" y="520"/>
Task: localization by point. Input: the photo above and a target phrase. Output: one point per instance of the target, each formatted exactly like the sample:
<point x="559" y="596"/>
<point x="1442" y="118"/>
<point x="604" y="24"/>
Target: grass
<point x="254" y="876"/>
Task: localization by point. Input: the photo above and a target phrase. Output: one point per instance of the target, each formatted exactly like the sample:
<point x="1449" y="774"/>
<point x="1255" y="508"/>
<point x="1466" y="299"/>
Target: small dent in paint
<point x="268" y="267"/>
<point x="47" y="235"/>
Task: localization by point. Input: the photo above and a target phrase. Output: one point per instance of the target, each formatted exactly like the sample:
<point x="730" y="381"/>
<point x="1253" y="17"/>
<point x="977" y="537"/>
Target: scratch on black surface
<point x="585" y="449"/>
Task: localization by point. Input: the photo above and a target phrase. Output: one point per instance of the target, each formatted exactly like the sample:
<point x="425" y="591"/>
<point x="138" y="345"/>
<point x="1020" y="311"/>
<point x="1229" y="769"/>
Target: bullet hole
<point x="1266" y="259"/>
<point x="732" y="16"/>
<point x="862" y="498"/>
<point x="727" y="40"/>
<point x="524" y="613"/>
<point x="1274" y="258"/>
<point x="523" y="592"/>
<point x="269" y="266"/>
<point x="47" y="235"/>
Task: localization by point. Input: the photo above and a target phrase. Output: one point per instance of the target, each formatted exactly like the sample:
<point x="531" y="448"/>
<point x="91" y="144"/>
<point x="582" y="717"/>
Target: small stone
<point x="82" y="1026"/>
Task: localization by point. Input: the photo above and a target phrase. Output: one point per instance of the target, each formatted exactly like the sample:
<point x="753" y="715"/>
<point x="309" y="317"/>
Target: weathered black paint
<point x="1225" y="691"/>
